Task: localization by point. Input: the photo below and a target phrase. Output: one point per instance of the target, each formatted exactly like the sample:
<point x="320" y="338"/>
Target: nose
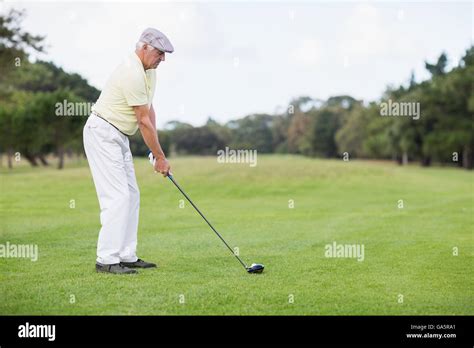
<point x="163" y="58"/>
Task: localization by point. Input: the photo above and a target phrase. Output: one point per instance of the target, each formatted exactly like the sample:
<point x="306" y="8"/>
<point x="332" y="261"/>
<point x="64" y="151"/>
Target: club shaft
<point x="197" y="209"/>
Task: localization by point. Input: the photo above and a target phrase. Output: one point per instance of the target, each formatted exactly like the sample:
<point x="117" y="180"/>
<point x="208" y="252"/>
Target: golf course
<point x="415" y="224"/>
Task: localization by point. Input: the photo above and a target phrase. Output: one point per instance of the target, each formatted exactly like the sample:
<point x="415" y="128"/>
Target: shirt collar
<point x="137" y="60"/>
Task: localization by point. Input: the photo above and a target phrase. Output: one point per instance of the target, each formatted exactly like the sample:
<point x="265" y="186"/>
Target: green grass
<point x="408" y="251"/>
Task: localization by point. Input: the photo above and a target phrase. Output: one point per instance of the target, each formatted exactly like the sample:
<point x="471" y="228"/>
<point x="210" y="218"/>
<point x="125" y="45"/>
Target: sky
<point x="236" y="58"/>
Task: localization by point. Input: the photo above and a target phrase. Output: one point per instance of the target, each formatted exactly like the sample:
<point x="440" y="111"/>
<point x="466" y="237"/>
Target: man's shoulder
<point x="128" y="70"/>
<point x="130" y="63"/>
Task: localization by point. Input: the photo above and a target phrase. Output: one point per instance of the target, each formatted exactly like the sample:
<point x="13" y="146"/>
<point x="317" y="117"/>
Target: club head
<point x="255" y="268"/>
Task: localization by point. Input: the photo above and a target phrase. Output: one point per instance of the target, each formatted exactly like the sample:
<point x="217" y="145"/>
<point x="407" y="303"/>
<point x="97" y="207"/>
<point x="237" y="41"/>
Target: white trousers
<point x="111" y="165"/>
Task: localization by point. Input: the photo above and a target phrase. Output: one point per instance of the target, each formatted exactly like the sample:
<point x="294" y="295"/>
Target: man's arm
<point x="148" y="129"/>
<point x="152" y="116"/>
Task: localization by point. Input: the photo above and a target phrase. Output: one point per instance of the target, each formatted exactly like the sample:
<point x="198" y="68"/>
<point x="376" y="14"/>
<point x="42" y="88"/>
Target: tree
<point x="298" y="134"/>
<point x="40" y="130"/>
<point x="252" y="132"/>
<point x="353" y="133"/>
<point x="7" y="139"/>
<point x="15" y="45"/>
<point x="197" y="141"/>
<point x="280" y="134"/>
<point x="325" y="123"/>
<point x="44" y="76"/>
<point x="454" y="131"/>
<point x="439" y="68"/>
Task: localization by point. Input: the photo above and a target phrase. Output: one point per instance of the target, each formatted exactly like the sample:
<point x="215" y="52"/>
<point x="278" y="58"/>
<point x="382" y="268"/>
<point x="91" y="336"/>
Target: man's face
<point x="153" y="57"/>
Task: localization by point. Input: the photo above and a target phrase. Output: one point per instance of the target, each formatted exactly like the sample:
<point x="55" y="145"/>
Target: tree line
<point x="427" y="122"/>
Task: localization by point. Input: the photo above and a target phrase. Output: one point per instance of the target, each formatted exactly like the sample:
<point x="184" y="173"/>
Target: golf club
<point x="254" y="267"/>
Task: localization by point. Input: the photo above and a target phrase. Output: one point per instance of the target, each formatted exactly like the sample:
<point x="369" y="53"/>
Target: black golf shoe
<point x="115" y="268"/>
<point x="139" y="264"/>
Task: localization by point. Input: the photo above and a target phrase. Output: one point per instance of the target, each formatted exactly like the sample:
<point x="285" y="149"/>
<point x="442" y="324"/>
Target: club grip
<point x="152" y="162"/>
<point x="151" y="158"/>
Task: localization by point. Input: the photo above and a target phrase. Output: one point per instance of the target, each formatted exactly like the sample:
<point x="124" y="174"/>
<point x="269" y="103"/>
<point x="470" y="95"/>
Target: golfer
<point x="123" y="107"/>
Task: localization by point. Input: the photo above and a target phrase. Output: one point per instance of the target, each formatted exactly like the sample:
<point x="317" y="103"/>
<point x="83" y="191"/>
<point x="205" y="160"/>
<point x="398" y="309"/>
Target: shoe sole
<point x="140" y="266"/>
<point x="101" y="271"/>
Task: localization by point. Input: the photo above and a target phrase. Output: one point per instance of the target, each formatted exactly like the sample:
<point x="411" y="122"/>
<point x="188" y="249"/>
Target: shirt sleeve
<point x="152" y="84"/>
<point x="134" y="89"/>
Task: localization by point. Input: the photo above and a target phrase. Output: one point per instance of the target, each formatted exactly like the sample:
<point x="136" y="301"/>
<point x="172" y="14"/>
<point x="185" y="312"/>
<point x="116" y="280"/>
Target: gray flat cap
<point x="157" y="39"/>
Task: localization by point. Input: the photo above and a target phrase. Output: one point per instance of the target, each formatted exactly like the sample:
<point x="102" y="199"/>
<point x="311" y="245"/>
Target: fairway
<point x="416" y="226"/>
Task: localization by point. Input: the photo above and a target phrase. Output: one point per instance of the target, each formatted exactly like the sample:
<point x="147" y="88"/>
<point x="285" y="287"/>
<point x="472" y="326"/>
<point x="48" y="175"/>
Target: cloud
<point x="282" y="50"/>
<point x="376" y="32"/>
<point x="308" y="52"/>
<point x="364" y="33"/>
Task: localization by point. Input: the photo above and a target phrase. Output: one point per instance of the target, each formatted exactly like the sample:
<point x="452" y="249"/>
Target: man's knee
<point x="134" y="194"/>
<point x="122" y="197"/>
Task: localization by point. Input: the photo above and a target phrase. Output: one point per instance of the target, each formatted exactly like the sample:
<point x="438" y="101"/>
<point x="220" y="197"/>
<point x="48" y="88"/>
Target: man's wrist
<point x="160" y="156"/>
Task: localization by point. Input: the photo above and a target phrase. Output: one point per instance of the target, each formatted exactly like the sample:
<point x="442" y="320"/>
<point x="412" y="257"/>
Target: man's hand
<point x="162" y="166"/>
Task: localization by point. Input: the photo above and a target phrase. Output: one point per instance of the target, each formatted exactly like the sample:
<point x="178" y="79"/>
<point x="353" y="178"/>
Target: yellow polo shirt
<point x="129" y="85"/>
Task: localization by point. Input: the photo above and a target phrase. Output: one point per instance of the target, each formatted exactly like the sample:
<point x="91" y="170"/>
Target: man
<point x="124" y="106"/>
